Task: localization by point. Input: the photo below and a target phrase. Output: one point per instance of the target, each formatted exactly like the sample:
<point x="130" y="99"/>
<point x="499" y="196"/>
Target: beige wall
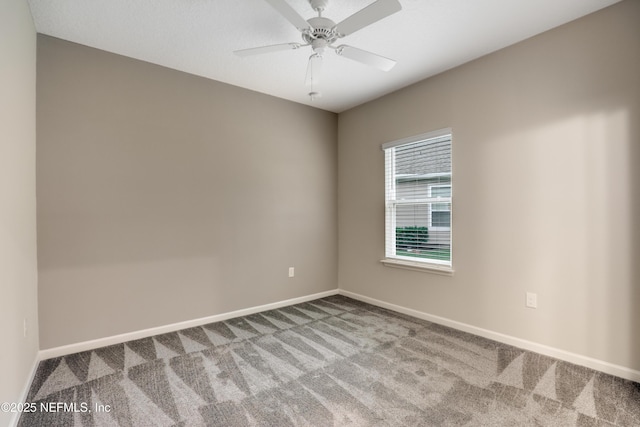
<point x="546" y="148"/>
<point x="18" y="263"/>
<point x="165" y="197"/>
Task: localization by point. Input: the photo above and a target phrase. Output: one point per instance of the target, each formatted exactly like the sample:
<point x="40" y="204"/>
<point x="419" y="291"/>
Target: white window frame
<point x="391" y="258"/>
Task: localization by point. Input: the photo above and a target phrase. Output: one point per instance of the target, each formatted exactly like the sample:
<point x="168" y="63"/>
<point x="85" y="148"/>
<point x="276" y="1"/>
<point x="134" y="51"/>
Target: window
<point x="418" y="199"/>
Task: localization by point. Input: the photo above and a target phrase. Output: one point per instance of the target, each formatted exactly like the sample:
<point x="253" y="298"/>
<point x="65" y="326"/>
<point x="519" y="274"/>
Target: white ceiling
<point x="199" y="36"/>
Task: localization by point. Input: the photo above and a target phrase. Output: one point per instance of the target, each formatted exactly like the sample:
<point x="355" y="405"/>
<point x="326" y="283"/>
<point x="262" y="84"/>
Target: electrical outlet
<point x="532" y="300"/>
<point x="291" y="272"/>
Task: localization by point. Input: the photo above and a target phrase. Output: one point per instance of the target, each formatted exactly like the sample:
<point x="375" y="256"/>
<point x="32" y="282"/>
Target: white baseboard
<point x="577" y="359"/>
<point x="599" y="365"/>
<point x="13" y="422"/>
<point x="117" y="339"/>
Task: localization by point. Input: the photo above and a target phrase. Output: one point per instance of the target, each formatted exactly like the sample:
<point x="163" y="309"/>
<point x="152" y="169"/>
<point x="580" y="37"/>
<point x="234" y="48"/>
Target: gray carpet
<point x="329" y="362"/>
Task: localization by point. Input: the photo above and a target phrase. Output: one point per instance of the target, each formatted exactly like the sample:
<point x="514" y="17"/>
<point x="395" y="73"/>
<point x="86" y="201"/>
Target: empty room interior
<point x="182" y="248"/>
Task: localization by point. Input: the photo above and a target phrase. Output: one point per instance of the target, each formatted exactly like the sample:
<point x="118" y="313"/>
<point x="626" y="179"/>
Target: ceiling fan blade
<point x="266" y="49"/>
<point x="370" y="14"/>
<point x="364" y="57"/>
<point x="314" y="69"/>
<point x="290" y="14"/>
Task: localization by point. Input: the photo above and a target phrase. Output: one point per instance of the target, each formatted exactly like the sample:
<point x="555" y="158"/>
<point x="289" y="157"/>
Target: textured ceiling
<point x="199" y="36"/>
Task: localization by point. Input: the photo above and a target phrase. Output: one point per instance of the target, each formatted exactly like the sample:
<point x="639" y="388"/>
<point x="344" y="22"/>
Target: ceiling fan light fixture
<point x="318" y="46"/>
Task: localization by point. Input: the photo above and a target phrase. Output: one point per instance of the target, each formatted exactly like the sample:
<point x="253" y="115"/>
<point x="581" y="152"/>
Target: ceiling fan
<point x="321" y="33"/>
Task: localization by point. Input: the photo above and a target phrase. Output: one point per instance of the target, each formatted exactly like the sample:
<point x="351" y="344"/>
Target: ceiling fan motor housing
<point x="322" y="29"/>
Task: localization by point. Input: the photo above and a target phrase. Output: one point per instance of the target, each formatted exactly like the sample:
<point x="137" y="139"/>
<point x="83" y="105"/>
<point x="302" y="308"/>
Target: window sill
<point x="444" y="270"/>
